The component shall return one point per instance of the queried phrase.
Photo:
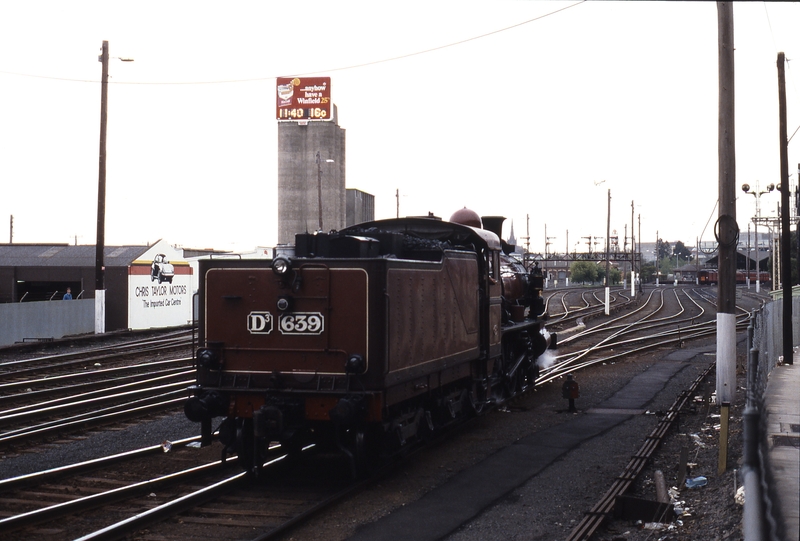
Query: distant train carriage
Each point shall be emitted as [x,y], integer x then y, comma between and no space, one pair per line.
[707,276]
[711,276]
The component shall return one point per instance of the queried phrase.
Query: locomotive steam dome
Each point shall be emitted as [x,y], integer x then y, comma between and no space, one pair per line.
[468,217]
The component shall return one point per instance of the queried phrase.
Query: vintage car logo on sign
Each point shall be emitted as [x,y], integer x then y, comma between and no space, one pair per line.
[259,322]
[301,323]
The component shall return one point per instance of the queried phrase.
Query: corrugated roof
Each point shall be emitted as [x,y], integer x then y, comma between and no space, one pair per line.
[65,255]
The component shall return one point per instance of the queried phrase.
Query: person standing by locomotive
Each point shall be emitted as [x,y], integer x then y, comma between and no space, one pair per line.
[68,295]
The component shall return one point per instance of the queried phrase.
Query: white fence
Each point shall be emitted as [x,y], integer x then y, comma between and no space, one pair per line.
[21,321]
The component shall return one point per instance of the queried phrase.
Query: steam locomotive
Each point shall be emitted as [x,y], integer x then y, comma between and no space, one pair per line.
[365,340]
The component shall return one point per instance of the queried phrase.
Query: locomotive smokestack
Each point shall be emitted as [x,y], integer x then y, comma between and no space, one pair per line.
[494,224]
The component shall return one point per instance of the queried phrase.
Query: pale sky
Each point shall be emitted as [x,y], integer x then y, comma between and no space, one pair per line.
[513,108]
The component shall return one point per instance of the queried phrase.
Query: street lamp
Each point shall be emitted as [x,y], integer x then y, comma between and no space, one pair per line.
[99,284]
[319,186]
[757,194]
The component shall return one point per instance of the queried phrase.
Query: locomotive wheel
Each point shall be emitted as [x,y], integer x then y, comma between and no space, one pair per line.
[249,448]
[528,374]
[512,384]
[361,454]
[244,445]
[477,396]
[365,457]
[533,374]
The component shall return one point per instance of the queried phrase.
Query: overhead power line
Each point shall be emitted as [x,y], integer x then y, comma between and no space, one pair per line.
[330,70]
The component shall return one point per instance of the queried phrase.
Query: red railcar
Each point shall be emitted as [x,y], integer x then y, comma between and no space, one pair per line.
[711,276]
[366,340]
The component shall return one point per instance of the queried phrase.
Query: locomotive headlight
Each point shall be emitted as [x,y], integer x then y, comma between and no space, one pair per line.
[207,358]
[284,304]
[355,365]
[281,265]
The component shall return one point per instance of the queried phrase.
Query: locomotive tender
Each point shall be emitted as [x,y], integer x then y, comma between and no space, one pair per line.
[367,339]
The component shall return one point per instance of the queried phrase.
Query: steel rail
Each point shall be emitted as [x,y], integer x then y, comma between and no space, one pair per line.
[115,413]
[694,331]
[159,337]
[648,326]
[80,403]
[78,467]
[629,328]
[81,362]
[583,312]
[548,298]
[123,528]
[102,498]
[98,393]
[609,324]
[566,367]
[101,352]
[78,376]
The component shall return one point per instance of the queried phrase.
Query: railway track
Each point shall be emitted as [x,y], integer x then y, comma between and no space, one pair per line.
[641,330]
[62,501]
[171,491]
[595,517]
[48,395]
[15,365]
[279,500]
[574,306]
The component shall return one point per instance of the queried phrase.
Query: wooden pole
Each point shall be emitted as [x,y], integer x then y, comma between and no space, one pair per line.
[633,251]
[101,183]
[99,281]
[608,257]
[724,416]
[786,243]
[726,230]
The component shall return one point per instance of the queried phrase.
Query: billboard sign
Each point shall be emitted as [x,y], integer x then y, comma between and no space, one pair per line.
[303,98]
[159,289]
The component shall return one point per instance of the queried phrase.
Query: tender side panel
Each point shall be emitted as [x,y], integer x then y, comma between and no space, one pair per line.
[433,313]
[328,319]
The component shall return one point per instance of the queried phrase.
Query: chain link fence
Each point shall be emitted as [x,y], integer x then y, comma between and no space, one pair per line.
[765,346]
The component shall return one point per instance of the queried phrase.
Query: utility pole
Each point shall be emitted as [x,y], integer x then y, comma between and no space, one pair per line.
[319,191]
[608,255]
[633,251]
[658,254]
[786,254]
[638,236]
[99,279]
[727,229]
[11,230]
[544,263]
[747,261]
[526,256]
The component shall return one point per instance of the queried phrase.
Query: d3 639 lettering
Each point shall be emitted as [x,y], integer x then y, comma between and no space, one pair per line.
[259,322]
[301,323]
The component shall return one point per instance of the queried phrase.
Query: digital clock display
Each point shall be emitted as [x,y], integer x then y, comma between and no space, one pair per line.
[316,113]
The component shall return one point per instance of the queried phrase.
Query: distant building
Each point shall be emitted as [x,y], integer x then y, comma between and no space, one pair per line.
[360,207]
[137,296]
[312,194]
